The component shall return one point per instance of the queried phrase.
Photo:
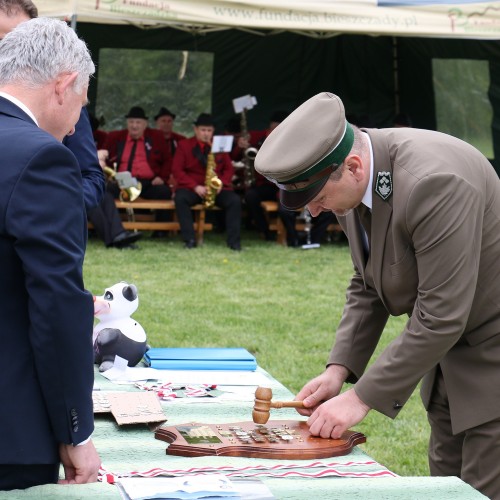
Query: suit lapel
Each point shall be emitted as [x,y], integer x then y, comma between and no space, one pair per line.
[381,210]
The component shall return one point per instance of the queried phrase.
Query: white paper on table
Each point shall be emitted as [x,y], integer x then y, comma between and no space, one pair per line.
[215,377]
[121,372]
[183,487]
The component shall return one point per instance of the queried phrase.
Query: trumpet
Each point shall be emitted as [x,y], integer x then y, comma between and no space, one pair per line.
[130,187]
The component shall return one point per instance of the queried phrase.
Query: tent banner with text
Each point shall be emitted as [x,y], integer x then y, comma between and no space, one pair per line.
[416,18]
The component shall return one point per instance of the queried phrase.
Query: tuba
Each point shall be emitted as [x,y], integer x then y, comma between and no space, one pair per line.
[130,188]
[212,182]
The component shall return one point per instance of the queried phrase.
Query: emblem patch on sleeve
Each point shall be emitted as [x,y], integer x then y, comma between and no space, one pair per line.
[383,185]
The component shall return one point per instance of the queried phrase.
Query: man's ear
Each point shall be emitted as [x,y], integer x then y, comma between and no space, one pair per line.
[355,165]
[64,82]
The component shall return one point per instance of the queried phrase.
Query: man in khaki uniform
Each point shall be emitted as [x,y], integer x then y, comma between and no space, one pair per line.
[421,210]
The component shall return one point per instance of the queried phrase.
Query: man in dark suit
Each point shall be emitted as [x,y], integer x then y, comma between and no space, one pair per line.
[99,210]
[421,211]
[46,314]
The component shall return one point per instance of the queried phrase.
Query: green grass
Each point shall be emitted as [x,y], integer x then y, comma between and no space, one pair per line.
[282,304]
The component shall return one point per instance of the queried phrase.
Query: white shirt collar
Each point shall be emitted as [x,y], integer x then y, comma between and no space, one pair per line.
[19,104]
[368,196]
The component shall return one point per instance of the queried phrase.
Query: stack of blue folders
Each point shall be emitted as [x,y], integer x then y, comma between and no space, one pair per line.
[200,358]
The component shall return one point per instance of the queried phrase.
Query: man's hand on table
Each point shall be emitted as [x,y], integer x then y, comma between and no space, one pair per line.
[331,414]
[81,463]
[320,389]
[334,417]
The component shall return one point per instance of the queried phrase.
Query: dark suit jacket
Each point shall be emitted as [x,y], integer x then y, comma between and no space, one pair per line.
[46,315]
[156,150]
[82,145]
[189,171]
[435,251]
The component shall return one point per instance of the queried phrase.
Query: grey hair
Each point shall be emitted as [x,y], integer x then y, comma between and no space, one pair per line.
[39,50]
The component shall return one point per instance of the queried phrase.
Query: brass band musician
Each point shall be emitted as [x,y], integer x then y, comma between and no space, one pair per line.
[261,189]
[189,169]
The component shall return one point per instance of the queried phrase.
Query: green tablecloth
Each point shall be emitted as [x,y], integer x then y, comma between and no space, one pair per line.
[133,448]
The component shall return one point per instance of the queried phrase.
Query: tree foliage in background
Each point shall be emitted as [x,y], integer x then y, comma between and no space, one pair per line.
[463,108]
[180,81]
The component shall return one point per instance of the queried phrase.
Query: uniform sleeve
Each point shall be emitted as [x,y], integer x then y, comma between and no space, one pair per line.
[46,218]
[178,168]
[82,145]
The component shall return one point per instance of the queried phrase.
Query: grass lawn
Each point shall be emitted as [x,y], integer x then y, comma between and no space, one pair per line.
[282,304]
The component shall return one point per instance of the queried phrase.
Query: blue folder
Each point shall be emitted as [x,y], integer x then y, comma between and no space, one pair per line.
[200,358]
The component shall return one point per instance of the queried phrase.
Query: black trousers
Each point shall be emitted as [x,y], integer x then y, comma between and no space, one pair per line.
[19,476]
[319,225]
[106,219]
[229,201]
[253,197]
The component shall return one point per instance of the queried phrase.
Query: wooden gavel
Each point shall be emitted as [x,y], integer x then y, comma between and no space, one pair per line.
[263,405]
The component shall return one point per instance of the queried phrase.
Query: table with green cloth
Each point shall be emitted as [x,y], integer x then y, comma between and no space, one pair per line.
[131,449]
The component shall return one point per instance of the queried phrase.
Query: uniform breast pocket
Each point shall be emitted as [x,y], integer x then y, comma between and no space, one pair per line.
[402,283]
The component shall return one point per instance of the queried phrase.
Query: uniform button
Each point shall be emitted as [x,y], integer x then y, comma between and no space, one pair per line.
[74,412]
[396,405]
[75,428]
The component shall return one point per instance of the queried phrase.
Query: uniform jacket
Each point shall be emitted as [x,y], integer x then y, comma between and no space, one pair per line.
[82,145]
[156,150]
[435,248]
[46,315]
[189,170]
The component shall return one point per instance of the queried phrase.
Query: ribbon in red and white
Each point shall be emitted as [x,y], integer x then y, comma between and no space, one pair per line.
[280,470]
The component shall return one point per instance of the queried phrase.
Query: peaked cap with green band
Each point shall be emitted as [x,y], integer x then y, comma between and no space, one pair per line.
[302,151]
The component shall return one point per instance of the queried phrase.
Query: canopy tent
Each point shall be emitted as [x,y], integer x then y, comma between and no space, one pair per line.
[376,55]
[472,19]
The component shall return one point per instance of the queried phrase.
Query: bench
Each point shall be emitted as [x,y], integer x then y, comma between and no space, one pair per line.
[276,224]
[144,221]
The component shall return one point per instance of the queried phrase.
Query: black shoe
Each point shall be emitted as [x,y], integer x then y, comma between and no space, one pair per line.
[190,244]
[158,234]
[130,246]
[126,238]
[236,248]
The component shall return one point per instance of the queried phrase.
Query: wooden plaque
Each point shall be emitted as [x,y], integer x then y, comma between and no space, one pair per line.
[278,439]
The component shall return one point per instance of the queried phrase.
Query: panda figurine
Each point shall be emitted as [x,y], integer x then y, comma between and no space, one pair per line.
[117,333]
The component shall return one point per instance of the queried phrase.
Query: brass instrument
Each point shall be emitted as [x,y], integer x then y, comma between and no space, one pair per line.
[248,155]
[130,188]
[212,182]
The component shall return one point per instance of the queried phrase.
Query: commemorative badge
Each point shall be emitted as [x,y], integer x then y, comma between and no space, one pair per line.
[383,185]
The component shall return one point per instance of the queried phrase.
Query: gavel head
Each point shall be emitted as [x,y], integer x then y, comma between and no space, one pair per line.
[262,405]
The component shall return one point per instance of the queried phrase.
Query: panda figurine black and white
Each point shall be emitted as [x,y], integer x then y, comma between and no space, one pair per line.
[117,334]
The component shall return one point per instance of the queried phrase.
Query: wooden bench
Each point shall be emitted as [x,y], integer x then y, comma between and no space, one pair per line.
[276,224]
[143,221]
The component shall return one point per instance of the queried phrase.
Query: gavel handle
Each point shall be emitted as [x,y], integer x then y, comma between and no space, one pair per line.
[287,404]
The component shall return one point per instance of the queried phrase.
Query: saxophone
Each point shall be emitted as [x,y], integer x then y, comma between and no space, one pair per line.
[212,182]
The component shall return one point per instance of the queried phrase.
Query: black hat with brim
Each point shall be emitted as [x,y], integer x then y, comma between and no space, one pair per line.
[136,112]
[164,112]
[204,119]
